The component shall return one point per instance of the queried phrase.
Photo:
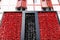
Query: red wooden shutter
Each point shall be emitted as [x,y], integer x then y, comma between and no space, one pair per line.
[49,26]
[11,26]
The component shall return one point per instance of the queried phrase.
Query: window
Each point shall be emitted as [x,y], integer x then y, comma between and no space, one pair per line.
[30,30]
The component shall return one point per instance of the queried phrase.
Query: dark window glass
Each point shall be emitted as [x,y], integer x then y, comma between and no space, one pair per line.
[30,30]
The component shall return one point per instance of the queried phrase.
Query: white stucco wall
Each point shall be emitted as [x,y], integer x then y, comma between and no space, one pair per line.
[8,5]
[30,6]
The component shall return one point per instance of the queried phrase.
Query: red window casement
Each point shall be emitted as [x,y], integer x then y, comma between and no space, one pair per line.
[48,26]
[21,4]
[24,3]
[49,3]
[11,26]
